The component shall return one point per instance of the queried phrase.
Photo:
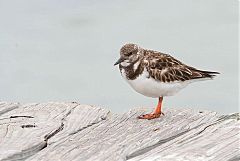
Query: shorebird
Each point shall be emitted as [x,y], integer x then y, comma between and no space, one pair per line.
[155,74]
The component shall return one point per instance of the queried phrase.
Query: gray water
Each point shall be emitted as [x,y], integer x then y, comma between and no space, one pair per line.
[65,50]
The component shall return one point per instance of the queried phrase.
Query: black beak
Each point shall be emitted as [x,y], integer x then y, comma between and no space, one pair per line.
[119,61]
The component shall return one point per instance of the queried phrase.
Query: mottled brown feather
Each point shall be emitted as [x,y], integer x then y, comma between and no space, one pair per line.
[165,68]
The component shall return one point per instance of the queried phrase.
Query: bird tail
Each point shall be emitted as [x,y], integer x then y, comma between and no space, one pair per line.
[207,74]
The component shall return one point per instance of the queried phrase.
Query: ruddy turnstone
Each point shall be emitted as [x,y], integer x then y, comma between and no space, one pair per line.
[155,74]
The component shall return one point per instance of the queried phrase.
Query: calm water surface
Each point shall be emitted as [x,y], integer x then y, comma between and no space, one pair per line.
[65,50]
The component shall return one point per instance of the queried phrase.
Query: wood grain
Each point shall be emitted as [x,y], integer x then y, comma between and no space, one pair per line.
[72,131]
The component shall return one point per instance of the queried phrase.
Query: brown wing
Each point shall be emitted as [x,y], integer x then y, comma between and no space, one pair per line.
[165,68]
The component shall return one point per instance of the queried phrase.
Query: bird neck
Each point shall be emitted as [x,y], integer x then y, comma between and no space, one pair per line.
[133,70]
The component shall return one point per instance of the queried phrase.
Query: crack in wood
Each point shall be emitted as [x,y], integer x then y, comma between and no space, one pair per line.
[28,126]
[69,112]
[94,123]
[15,117]
[48,136]
[231,116]
[221,119]
[160,142]
[20,116]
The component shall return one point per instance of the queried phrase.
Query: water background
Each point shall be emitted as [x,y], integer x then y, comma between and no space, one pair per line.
[65,50]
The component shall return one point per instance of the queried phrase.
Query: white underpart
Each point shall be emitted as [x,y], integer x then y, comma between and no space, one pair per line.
[150,87]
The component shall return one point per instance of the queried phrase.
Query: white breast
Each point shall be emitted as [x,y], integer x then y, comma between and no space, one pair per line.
[147,86]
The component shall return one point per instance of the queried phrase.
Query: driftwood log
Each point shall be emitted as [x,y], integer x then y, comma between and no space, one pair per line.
[71,131]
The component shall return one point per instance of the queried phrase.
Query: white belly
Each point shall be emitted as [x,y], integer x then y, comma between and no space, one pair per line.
[152,88]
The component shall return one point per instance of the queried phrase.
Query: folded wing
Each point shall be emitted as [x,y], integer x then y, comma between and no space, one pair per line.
[165,68]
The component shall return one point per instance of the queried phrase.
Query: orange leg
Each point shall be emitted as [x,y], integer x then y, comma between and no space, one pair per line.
[157,112]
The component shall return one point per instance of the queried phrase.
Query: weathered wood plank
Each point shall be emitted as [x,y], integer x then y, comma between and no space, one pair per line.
[70,131]
[29,128]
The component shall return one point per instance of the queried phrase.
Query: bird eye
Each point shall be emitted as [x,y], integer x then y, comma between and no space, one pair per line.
[130,53]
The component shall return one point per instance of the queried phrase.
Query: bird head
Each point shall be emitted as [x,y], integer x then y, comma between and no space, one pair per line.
[129,54]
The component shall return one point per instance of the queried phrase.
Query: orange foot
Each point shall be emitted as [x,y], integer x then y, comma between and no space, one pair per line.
[150,116]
